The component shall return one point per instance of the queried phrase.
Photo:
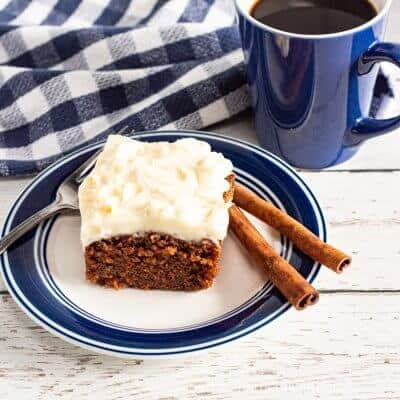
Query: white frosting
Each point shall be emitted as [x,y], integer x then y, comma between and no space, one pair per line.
[175,188]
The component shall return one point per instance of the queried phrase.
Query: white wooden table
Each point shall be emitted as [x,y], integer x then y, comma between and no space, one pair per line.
[346,347]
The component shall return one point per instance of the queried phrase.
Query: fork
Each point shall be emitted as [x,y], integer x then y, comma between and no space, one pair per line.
[66,199]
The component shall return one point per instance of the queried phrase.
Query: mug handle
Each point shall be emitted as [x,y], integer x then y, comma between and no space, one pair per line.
[378,52]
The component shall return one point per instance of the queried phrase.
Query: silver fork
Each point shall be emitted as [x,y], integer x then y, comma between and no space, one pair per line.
[66,199]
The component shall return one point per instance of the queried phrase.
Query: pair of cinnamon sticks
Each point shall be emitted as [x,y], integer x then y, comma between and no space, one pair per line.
[298,291]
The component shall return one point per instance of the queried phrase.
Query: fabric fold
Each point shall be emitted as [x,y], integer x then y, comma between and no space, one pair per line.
[71,72]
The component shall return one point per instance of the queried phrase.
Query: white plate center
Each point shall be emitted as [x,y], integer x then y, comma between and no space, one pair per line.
[237,282]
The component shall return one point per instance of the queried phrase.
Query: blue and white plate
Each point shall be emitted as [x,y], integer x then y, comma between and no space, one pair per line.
[44,271]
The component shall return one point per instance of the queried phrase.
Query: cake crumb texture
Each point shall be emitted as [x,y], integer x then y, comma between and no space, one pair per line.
[152,261]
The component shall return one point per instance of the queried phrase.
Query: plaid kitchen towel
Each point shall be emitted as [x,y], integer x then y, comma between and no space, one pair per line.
[72,71]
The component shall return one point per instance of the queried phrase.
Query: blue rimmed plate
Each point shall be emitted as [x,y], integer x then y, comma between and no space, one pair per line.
[44,271]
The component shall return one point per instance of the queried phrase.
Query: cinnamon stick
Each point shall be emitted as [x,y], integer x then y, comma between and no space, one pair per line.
[291,284]
[301,237]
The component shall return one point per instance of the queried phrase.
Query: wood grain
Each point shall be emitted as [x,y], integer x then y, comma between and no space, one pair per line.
[337,347]
[347,347]
[364,220]
[376,154]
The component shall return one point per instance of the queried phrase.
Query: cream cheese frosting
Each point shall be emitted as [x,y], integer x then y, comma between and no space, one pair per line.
[174,188]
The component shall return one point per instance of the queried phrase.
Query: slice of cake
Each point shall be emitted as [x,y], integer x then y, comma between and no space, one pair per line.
[154,214]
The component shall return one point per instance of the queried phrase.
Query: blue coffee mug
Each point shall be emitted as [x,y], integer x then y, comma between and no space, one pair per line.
[312,93]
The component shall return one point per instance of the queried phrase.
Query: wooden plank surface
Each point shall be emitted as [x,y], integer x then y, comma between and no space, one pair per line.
[347,347]
[363,219]
[341,346]
[380,153]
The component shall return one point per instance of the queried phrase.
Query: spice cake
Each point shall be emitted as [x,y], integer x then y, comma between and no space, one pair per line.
[154,215]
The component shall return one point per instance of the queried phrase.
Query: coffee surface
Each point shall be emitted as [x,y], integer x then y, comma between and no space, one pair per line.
[313,17]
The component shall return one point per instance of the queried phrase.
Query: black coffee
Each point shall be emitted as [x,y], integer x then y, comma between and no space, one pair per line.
[313,17]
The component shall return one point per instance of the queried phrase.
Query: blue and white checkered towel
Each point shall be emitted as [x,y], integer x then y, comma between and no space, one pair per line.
[72,71]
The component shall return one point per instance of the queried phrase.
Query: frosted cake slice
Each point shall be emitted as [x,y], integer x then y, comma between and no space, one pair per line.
[154,215]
